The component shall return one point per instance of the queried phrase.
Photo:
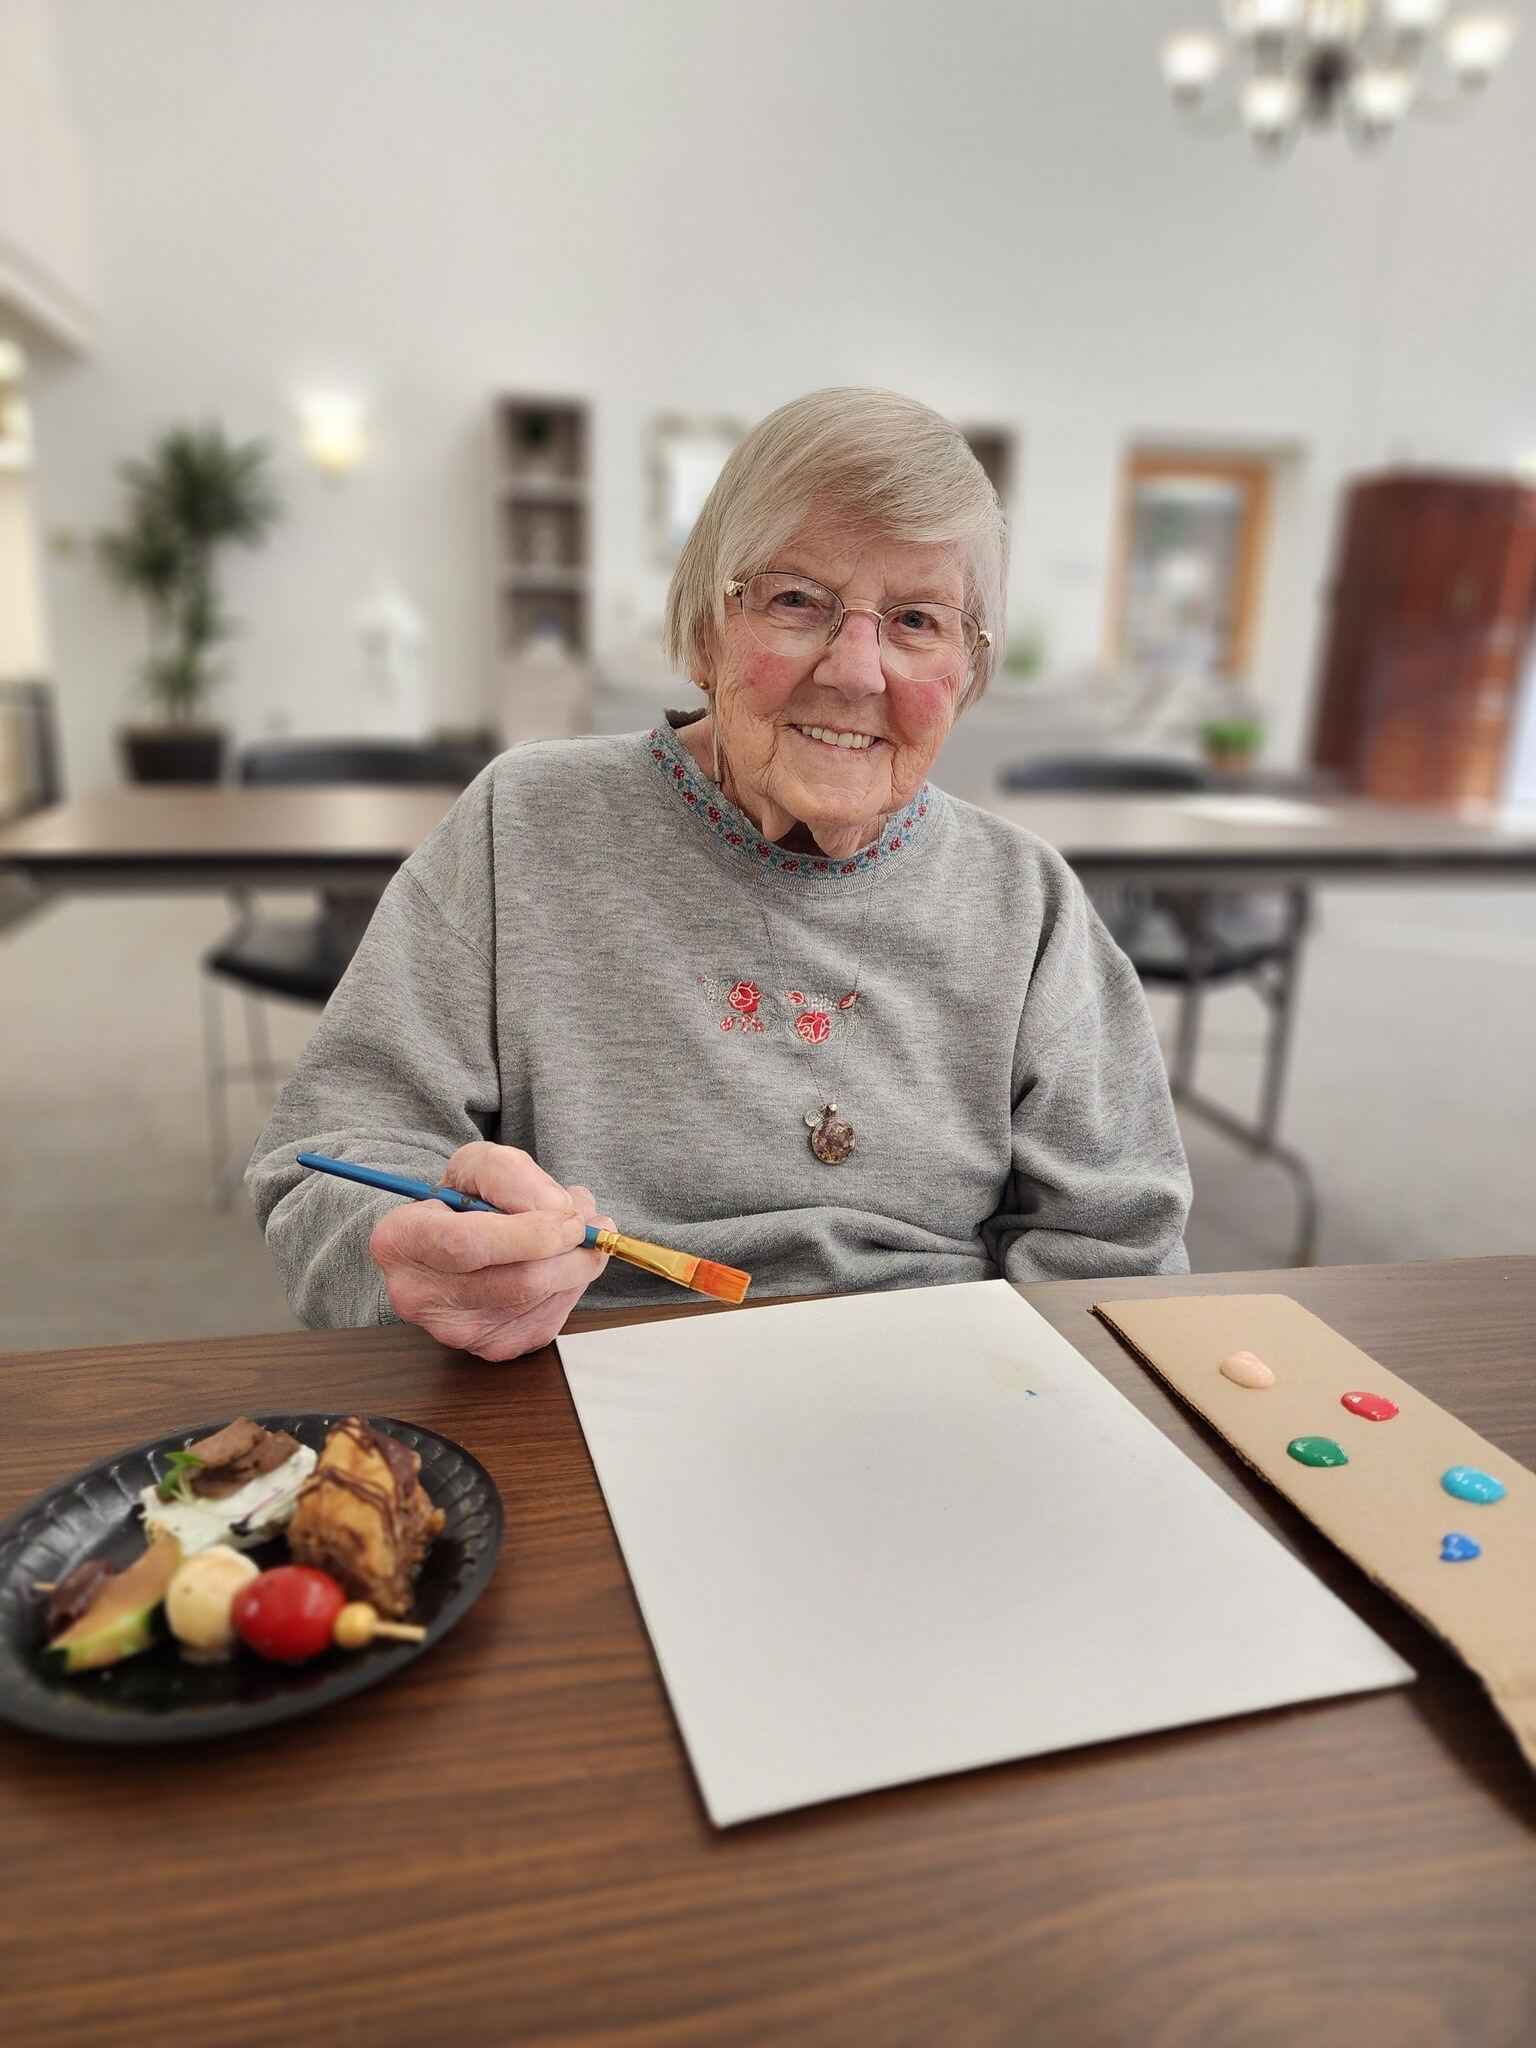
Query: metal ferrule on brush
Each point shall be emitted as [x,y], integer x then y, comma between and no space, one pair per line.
[650,1258]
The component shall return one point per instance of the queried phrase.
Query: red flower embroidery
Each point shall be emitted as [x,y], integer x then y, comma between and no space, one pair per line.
[895,846]
[726,1023]
[733,839]
[677,774]
[795,996]
[791,867]
[849,866]
[690,796]
[713,814]
[744,996]
[922,810]
[814,1027]
[763,852]
[820,866]
[657,754]
[847,1002]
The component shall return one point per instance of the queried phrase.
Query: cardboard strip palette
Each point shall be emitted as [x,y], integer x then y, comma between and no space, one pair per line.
[1436,1514]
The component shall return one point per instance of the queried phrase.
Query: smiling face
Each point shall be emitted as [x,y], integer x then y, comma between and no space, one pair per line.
[827,739]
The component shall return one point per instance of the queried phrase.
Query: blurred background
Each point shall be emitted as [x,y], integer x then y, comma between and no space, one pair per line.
[431,321]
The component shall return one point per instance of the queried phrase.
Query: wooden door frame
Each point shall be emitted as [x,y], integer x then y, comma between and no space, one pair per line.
[1257,472]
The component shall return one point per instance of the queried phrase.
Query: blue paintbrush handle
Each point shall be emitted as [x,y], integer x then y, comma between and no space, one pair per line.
[393,1183]
[397,1184]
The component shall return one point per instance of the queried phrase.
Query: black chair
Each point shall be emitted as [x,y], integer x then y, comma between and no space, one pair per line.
[1196,939]
[301,959]
[447,765]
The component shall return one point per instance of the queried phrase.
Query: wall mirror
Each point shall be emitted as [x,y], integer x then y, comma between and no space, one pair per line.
[687,453]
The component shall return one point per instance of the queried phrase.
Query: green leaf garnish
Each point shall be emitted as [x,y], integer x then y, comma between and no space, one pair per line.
[183,1464]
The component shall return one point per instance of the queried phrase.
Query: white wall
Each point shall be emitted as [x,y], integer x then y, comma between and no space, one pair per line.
[23,649]
[47,246]
[712,205]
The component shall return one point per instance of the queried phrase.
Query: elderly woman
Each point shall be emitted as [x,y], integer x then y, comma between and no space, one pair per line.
[748,983]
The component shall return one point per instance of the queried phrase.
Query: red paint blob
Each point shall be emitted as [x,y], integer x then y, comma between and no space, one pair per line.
[1374,1407]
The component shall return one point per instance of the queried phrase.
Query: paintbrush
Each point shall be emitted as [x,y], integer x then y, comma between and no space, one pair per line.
[702,1276]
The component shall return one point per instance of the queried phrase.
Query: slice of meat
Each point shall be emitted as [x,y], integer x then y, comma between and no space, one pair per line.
[233,1441]
[74,1593]
[241,1451]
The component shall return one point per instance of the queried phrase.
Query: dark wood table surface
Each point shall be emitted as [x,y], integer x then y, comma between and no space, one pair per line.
[146,837]
[504,1843]
[1229,839]
[158,836]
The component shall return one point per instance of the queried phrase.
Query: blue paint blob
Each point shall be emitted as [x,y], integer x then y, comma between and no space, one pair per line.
[1456,1549]
[1467,1483]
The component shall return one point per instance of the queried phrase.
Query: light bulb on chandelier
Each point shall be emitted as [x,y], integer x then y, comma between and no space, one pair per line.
[1365,64]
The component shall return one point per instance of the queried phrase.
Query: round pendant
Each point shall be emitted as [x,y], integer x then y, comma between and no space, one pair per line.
[832,1139]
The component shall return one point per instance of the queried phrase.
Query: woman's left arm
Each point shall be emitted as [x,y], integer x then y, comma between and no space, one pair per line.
[1098,1185]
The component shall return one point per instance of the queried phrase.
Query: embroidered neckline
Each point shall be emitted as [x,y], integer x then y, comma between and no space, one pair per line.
[740,836]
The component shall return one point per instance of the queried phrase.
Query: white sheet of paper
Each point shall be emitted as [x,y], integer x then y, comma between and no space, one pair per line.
[890,1536]
[1253,810]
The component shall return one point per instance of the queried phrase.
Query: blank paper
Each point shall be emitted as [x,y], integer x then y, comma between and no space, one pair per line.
[890,1536]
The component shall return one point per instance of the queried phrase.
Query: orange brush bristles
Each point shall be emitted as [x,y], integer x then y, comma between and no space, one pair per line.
[724,1283]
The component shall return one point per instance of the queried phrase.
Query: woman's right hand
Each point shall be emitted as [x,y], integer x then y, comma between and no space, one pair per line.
[499,1286]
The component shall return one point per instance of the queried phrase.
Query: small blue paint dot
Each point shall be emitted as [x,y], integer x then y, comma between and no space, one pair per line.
[1455,1549]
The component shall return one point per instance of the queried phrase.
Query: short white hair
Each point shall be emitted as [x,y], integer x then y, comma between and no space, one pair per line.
[869,461]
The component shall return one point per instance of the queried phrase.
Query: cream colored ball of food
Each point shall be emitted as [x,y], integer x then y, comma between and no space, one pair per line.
[200,1596]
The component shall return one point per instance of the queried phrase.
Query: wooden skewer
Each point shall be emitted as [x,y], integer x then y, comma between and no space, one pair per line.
[359,1623]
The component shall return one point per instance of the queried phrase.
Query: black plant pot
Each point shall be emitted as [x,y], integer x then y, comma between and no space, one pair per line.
[173,753]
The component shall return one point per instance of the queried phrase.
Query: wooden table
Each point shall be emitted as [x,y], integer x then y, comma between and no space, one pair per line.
[144,837]
[1237,842]
[505,1843]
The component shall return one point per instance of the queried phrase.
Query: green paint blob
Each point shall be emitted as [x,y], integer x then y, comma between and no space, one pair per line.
[1317,1450]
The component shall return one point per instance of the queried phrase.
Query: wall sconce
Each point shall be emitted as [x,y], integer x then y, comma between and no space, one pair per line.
[333,432]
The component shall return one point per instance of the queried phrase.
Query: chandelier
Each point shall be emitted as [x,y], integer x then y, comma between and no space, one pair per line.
[1365,64]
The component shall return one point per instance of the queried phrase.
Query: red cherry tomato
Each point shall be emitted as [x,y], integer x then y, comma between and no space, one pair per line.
[288,1613]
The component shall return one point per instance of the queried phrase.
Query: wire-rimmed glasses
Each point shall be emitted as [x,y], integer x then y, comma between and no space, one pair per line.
[921,640]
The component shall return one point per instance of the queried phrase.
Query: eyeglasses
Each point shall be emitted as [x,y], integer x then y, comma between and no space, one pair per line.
[921,642]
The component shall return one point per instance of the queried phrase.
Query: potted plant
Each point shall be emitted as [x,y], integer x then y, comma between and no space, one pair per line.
[197,492]
[1026,652]
[1231,744]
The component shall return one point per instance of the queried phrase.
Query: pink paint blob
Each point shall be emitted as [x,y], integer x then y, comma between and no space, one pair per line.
[1372,1407]
[1244,1369]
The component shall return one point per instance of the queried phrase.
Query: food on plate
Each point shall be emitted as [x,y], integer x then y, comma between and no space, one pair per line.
[358,1625]
[365,1517]
[120,1620]
[294,1612]
[242,1450]
[358,1523]
[199,1598]
[69,1597]
[289,1613]
[236,1487]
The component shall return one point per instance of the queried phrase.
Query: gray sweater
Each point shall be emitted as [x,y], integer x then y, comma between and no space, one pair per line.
[597,958]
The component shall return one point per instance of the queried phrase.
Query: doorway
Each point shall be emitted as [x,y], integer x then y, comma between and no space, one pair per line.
[28,775]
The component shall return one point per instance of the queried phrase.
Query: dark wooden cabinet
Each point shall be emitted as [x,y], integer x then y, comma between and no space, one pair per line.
[1430,618]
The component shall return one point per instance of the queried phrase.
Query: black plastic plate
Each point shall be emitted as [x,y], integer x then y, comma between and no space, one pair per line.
[158,1696]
